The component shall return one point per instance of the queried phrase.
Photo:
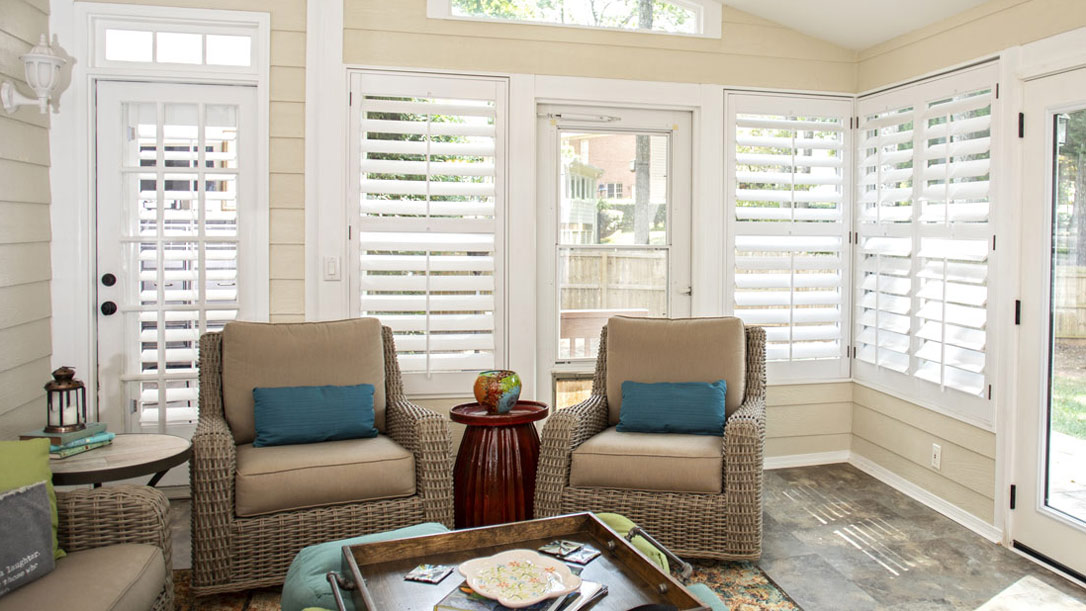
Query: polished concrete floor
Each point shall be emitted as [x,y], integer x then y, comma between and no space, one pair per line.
[838,539]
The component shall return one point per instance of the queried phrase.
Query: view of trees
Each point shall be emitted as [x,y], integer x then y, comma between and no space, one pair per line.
[622,14]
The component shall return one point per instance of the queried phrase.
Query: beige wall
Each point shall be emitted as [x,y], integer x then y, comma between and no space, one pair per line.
[286,194]
[808,418]
[984,30]
[752,52]
[24,232]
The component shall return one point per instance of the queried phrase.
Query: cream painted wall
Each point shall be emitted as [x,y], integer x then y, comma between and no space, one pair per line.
[286,193]
[753,52]
[24,232]
[984,30]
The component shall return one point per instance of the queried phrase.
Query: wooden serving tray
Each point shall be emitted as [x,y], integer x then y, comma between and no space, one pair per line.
[377,569]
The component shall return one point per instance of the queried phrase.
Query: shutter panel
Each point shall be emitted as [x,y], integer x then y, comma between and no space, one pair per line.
[788,204]
[429,206]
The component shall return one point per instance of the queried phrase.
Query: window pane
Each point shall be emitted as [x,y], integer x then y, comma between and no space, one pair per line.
[128,46]
[613,188]
[176,48]
[619,14]
[229,50]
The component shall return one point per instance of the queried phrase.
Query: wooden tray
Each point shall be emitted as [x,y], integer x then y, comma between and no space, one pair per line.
[377,569]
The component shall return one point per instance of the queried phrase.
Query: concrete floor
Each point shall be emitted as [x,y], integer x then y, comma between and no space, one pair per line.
[838,539]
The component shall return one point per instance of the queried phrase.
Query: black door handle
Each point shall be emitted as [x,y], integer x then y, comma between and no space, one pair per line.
[109,308]
[109,279]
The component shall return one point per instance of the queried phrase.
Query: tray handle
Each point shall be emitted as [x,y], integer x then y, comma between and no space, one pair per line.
[337,581]
[684,567]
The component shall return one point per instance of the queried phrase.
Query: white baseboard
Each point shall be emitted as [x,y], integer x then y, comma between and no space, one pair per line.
[806,460]
[959,515]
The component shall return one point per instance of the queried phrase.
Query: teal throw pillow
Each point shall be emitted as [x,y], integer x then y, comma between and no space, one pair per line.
[311,414]
[689,408]
[27,532]
[27,462]
[307,587]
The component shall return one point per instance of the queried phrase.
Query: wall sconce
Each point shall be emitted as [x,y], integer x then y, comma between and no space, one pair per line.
[42,74]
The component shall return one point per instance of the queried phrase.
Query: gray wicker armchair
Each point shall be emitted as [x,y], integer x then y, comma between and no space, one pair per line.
[723,524]
[231,551]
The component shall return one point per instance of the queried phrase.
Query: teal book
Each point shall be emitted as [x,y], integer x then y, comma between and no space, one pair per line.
[72,451]
[104,436]
[59,439]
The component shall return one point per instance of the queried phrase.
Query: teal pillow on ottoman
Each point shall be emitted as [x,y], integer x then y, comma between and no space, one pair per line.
[312,414]
[689,408]
[306,585]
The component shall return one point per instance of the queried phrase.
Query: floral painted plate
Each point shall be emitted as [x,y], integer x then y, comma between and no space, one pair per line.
[520,577]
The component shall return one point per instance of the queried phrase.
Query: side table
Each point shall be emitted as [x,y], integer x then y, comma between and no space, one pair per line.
[494,477]
[130,455]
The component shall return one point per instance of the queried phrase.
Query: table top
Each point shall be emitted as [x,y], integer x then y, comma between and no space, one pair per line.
[130,455]
[477,415]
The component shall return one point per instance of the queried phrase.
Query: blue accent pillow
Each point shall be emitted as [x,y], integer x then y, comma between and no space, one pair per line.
[690,408]
[310,414]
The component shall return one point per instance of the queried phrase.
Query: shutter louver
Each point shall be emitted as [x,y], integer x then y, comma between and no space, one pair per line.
[789,208]
[428,206]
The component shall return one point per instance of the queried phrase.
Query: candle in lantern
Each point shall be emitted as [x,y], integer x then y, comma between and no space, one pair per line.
[66,400]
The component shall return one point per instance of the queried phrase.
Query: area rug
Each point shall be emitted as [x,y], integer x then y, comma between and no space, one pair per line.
[741,585]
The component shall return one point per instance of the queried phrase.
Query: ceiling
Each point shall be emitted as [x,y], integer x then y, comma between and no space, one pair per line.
[854,24]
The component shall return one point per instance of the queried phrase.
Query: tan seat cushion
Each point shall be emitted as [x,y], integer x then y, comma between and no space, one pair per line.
[282,478]
[126,577]
[678,350]
[649,461]
[337,353]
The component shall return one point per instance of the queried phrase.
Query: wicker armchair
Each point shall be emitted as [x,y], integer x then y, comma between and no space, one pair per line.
[727,525]
[232,552]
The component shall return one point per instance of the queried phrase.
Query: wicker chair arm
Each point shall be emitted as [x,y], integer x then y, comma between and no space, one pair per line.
[563,432]
[426,435]
[744,450]
[97,517]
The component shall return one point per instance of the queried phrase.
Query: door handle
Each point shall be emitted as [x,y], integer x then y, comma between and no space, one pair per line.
[109,279]
[108,308]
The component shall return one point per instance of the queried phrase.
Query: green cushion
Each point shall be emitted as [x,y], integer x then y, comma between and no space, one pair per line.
[306,585]
[707,596]
[622,525]
[25,463]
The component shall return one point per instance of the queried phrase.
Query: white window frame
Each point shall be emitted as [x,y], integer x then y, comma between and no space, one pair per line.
[709,14]
[72,179]
[736,102]
[437,383]
[977,410]
[168,23]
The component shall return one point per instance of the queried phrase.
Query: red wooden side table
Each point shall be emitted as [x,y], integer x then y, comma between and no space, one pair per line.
[494,477]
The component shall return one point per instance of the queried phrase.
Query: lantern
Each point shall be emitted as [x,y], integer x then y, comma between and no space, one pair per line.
[66,400]
[42,67]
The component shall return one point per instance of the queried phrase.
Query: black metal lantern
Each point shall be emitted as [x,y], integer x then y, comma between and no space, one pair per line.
[66,398]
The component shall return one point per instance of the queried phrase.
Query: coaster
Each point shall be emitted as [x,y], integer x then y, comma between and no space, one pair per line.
[582,556]
[560,548]
[429,573]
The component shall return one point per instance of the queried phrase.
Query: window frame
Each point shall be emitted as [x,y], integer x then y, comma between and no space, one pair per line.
[978,410]
[709,15]
[434,383]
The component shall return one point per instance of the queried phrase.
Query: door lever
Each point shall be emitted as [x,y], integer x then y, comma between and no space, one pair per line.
[108,308]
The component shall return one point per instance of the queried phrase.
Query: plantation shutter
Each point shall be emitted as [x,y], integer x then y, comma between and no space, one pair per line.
[430,203]
[788,173]
[925,233]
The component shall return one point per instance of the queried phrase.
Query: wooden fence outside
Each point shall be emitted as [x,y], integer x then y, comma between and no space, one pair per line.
[1069,302]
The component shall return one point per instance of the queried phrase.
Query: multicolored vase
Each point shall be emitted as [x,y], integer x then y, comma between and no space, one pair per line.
[498,390]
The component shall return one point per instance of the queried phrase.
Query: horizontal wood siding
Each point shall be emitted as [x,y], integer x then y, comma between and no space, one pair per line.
[808,418]
[25,270]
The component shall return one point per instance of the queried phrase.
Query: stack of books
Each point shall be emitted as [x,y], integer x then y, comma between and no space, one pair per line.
[63,445]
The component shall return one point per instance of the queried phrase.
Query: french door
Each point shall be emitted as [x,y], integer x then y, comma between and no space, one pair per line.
[1049,518]
[176,178]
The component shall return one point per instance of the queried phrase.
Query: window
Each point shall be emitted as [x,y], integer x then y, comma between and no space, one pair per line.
[122,42]
[925,237]
[689,17]
[430,198]
[611,190]
[787,198]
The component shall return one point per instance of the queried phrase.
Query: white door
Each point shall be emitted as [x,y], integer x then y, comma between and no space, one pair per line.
[176,178]
[614,226]
[1049,517]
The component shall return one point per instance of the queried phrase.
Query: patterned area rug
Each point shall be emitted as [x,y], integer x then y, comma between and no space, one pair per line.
[741,585]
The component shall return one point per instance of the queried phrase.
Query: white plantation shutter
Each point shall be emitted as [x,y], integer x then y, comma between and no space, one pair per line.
[925,240]
[430,200]
[788,171]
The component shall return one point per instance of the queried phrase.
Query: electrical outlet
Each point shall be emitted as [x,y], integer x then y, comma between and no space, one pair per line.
[936,456]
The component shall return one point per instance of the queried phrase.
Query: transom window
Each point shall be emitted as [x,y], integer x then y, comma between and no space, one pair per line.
[686,17]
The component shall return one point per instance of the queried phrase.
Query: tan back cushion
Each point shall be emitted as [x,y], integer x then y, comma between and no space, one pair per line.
[338,353]
[676,350]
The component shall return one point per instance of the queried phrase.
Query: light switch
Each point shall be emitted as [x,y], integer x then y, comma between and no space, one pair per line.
[331,268]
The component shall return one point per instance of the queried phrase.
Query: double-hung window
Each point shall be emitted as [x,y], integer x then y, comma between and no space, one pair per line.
[788,161]
[429,154]
[925,238]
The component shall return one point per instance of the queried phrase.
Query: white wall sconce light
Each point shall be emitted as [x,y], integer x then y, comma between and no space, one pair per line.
[42,74]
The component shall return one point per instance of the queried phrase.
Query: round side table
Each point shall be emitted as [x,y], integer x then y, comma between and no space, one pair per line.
[494,477]
[130,455]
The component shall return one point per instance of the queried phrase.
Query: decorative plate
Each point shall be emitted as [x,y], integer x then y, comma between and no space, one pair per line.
[520,577]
